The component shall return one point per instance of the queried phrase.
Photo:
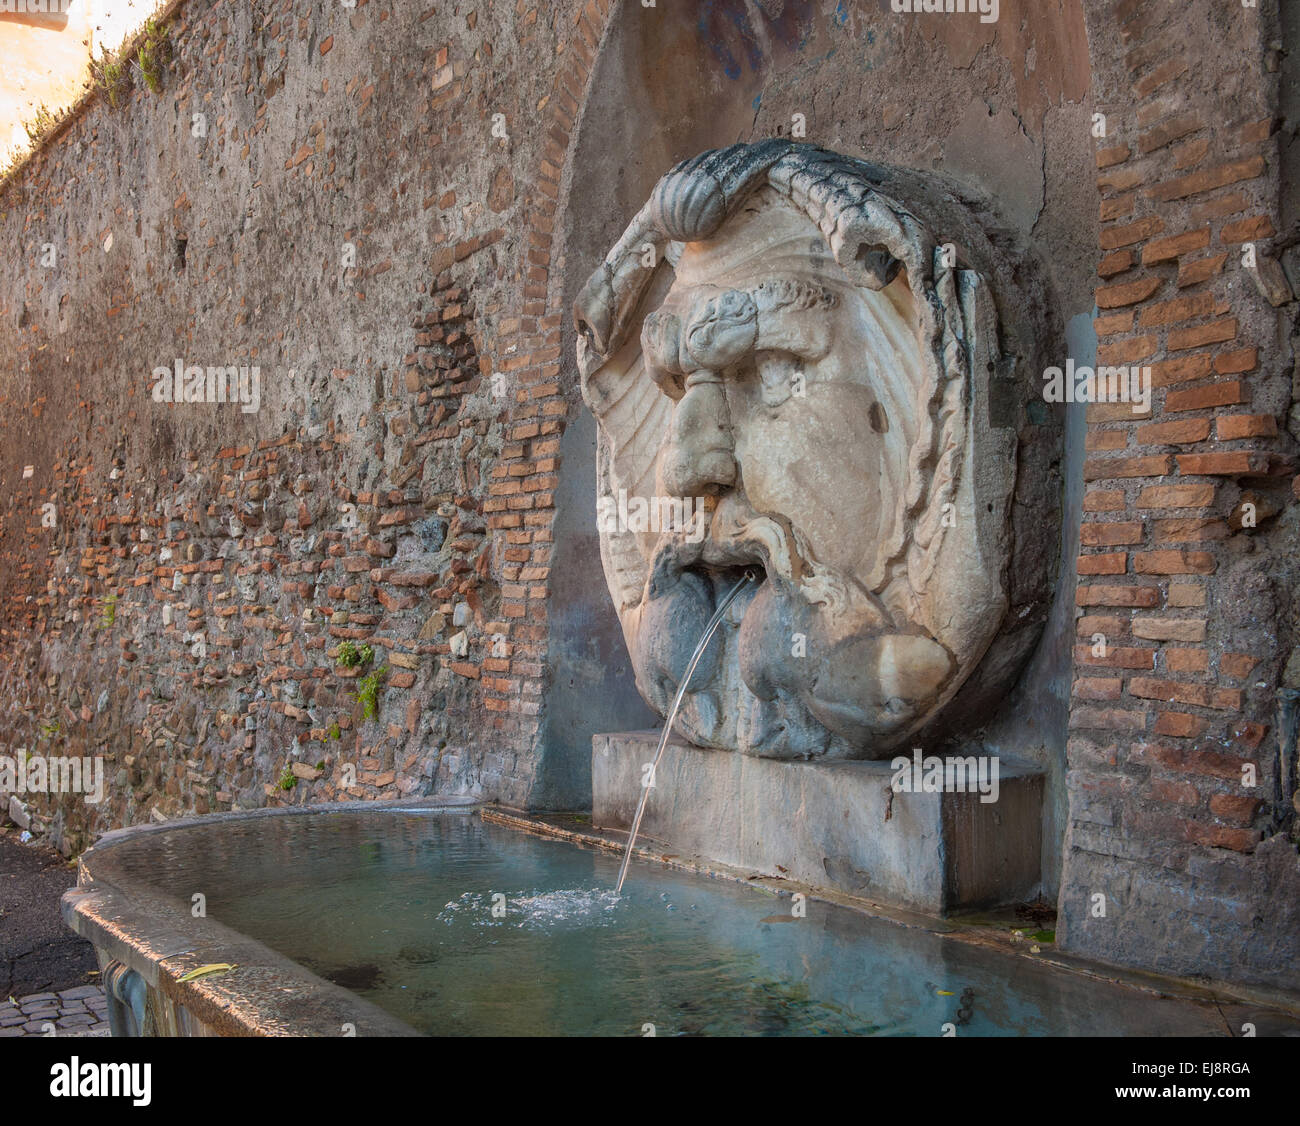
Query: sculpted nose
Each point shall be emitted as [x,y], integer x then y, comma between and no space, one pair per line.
[700,457]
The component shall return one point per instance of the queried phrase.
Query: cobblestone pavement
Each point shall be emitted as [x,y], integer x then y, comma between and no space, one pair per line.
[81,1011]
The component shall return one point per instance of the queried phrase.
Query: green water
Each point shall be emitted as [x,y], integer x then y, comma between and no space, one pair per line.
[398,907]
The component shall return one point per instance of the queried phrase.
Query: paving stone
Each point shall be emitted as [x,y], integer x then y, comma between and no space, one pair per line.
[77,1020]
[12,1032]
[82,992]
[9,1020]
[36,1027]
[33,997]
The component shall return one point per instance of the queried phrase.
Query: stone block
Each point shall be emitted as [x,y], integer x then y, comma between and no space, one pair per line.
[839,826]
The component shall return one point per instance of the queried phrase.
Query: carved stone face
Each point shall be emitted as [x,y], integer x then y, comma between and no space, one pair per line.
[819,413]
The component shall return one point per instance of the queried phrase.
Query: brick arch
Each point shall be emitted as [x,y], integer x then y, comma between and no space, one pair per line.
[520,507]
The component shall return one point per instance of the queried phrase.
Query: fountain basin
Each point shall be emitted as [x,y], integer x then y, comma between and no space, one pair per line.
[374,919]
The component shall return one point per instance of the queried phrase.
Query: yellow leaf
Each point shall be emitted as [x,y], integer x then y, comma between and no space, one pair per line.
[945,993]
[203,971]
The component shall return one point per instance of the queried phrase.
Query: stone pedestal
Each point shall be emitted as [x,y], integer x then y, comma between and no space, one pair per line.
[839,826]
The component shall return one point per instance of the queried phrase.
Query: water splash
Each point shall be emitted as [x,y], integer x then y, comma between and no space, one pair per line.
[536,910]
[708,633]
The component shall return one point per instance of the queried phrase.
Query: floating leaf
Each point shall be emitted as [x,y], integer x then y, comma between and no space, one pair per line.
[203,971]
[945,993]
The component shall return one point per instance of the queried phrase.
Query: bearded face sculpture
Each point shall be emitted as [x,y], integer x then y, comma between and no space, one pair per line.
[793,376]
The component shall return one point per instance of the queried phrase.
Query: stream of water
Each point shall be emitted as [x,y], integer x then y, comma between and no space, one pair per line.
[646,786]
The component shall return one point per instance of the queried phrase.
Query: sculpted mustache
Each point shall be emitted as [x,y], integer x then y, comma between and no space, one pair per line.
[775,543]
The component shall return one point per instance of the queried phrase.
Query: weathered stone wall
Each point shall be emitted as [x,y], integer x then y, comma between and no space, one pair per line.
[428,394]
[328,128]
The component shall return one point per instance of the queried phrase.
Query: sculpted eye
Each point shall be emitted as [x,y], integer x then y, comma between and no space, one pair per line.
[879,421]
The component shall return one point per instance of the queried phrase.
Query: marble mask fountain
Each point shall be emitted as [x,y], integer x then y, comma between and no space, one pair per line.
[794,373]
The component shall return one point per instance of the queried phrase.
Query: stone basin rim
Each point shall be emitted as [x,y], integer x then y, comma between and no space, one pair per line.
[155,936]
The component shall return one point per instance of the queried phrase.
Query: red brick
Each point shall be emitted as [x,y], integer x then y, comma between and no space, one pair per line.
[1191,154]
[1108,535]
[1181,369]
[1104,500]
[1126,351]
[1176,496]
[1175,692]
[1110,564]
[1128,293]
[1199,270]
[1190,531]
[1167,249]
[1236,363]
[1105,624]
[1233,426]
[1118,207]
[1116,263]
[1216,332]
[1097,688]
[1169,130]
[1100,469]
[1218,836]
[1177,432]
[1246,230]
[1119,180]
[1237,463]
[1179,309]
[1116,154]
[1228,204]
[1235,807]
[1180,725]
[1209,179]
[1174,563]
[1107,719]
[1112,238]
[1170,628]
[1117,658]
[1187,661]
[1237,666]
[1141,596]
[1211,395]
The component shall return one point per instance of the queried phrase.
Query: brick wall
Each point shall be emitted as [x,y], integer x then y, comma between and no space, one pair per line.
[1186,571]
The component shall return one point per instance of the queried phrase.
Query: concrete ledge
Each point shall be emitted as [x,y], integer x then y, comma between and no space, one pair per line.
[835,825]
